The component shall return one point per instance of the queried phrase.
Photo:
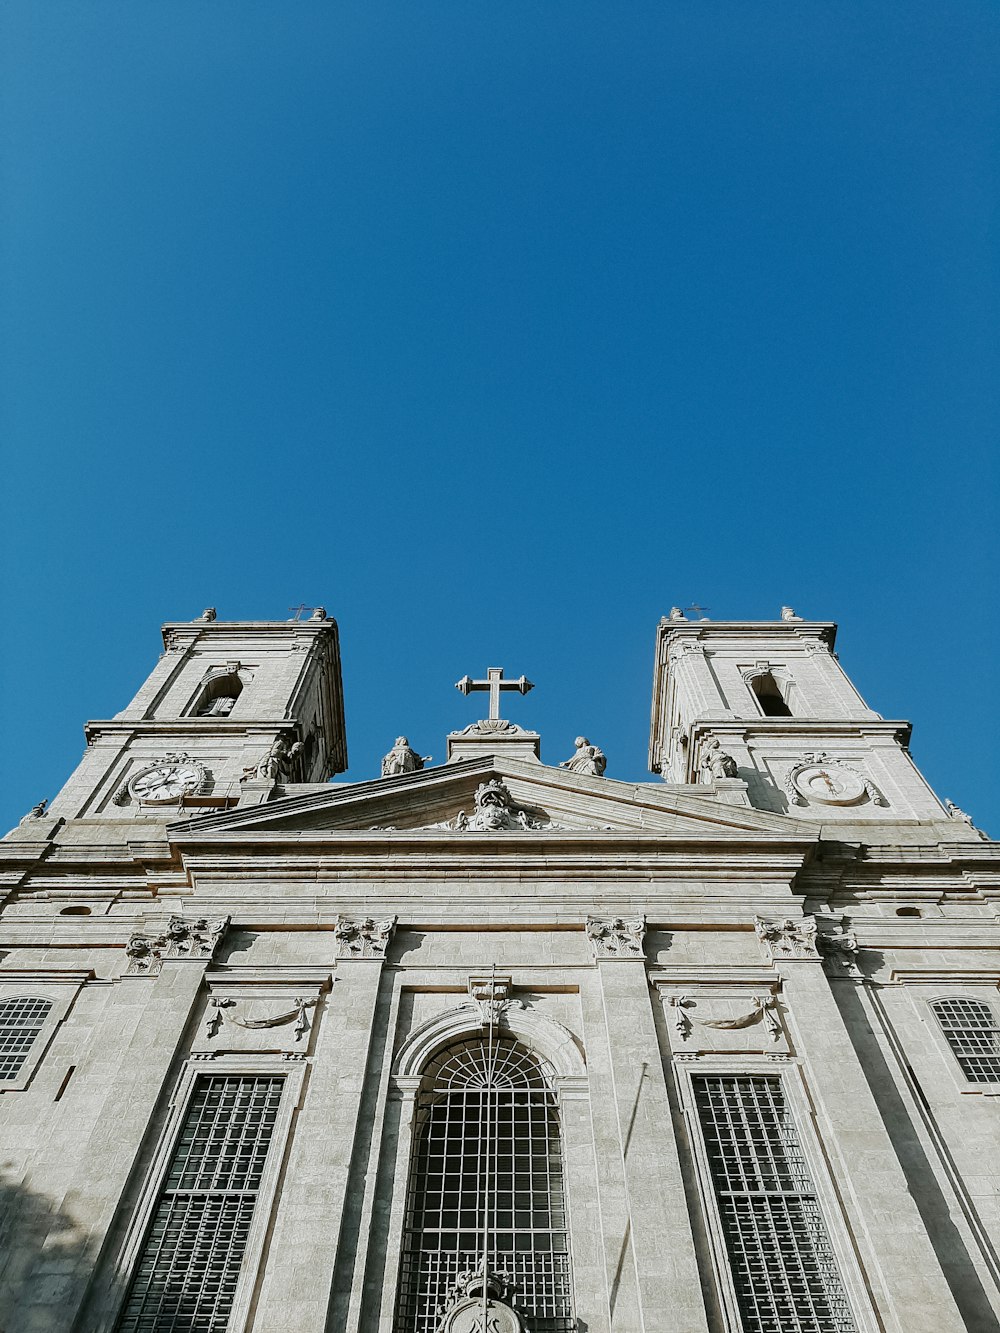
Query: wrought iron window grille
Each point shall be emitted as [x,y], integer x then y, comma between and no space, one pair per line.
[486,1187]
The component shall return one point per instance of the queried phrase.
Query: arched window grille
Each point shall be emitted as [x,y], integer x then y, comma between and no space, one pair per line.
[22,1017]
[486,1184]
[971,1029]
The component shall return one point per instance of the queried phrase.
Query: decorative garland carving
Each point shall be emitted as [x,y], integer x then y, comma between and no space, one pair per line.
[217,1015]
[762,1011]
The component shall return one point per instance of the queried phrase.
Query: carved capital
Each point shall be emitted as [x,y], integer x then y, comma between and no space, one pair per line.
[787,938]
[839,950]
[198,939]
[364,939]
[616,937]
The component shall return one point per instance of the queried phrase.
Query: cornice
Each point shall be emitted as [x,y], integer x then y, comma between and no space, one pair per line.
[189,726]
[229,976]
[825,630]
[953,976]
[842,728]
[665,976]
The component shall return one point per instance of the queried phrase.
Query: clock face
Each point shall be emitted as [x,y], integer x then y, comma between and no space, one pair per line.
[829,784]
[166,782]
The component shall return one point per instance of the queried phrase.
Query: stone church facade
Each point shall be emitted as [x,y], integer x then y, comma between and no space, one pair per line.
[499,1045]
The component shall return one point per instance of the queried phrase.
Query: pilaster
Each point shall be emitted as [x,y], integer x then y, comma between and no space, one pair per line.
[905,1277]
[296,1294]
[658,1239]
[108,1109]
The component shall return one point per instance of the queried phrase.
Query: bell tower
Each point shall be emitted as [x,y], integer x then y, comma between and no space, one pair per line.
[768,702]
[229,703]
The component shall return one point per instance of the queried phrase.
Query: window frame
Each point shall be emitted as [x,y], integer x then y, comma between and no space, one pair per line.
[785,685]
[422,1105]
[796,1093]
[251,1268]
[965,1085]
[209,680]
[60,993]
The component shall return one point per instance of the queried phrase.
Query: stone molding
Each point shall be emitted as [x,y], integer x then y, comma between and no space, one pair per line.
[617,937]
[545,1036]
[195,940]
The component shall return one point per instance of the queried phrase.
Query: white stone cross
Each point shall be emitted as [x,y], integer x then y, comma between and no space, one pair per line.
[494,683]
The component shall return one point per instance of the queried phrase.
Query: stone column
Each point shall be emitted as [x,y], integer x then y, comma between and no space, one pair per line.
[658,1240]
[297,1290]
[112,1100]
[905,1278]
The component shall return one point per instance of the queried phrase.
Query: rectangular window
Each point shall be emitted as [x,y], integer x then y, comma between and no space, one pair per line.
[190,1260]
[973,1035]
[782,1263]
[22,1018]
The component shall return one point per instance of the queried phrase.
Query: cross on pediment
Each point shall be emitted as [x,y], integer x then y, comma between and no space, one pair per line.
[494,682]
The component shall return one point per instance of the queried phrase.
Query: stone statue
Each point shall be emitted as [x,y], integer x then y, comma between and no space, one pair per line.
[956,813]
[208,613]
[36,812]
[402,758]
[715,763]
[587,759]
[279,762]
[318,613]
[788,613]
[677,614]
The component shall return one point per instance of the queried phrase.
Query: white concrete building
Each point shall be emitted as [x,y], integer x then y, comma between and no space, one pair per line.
[498,1045]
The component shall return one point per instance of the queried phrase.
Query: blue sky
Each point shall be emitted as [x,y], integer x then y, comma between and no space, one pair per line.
[498,329]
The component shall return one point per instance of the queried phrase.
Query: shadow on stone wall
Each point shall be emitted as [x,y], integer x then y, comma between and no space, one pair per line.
[956,1262]
[43,1252]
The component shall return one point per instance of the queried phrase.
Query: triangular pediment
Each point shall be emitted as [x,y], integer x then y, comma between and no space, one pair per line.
[545,802]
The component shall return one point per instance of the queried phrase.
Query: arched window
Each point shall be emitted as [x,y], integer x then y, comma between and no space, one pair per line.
[218,696]
[768,694]
[22,1017]
[971,1029]
[486,1182]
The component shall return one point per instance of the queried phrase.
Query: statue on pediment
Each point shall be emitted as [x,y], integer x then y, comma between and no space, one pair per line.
[587,758]
[402,758]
